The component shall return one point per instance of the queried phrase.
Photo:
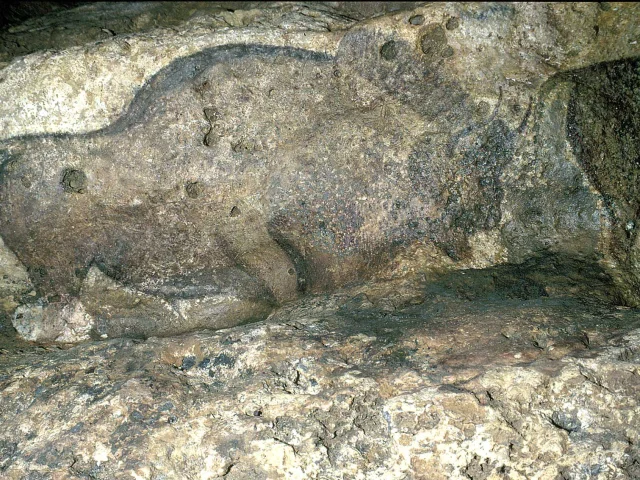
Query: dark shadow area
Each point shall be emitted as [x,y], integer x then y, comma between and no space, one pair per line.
[603,127]
[14,12]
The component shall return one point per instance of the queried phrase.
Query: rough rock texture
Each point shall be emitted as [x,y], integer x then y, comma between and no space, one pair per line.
[335,388]
[89,23]
[394,240]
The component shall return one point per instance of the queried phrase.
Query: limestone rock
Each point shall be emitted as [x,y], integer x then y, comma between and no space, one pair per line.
[296,150]
[14,283]
[330,240]
[454,389]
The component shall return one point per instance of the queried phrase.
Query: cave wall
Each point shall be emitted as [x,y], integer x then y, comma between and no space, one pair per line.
[210,182]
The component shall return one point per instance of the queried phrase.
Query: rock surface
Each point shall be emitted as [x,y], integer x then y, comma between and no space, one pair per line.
[335,388]
[216,173]
[323,240]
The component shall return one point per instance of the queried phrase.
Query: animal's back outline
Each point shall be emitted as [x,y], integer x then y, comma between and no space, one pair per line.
[172,77]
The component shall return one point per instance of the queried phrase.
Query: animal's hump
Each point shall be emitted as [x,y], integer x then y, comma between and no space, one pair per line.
[186,69]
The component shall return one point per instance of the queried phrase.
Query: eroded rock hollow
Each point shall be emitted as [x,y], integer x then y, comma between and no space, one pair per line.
[320,240]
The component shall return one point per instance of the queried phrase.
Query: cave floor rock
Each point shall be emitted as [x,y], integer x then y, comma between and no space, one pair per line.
[337,387]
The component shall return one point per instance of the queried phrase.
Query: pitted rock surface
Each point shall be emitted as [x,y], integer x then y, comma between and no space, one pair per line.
[455,389]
